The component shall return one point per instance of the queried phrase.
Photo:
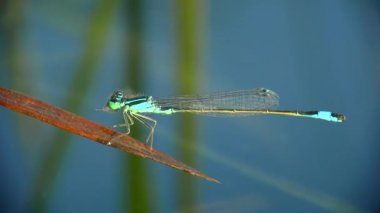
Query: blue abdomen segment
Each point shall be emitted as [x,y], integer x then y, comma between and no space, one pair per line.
[325,115]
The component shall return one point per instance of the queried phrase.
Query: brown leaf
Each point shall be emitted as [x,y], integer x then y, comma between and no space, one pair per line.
[80,126]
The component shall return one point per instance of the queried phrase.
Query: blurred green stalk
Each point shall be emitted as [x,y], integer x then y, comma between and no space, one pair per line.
[16,59]
[136,193]
[188,25]
[52,161]
[14,25]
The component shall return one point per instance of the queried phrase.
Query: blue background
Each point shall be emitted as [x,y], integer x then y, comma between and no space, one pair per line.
[317,55]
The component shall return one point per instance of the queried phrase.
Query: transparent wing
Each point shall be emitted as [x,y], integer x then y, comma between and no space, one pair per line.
[251,99]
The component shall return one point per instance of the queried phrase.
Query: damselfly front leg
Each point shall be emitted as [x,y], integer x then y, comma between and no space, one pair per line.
[149,123]
[128,122]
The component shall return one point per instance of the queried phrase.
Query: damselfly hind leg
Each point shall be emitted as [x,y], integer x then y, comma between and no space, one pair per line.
[149,123]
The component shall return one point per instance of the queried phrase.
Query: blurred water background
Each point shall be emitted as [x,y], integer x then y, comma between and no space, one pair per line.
[318,55]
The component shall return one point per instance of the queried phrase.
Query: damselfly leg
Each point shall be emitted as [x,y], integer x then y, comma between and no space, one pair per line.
[149,123]
[128,122]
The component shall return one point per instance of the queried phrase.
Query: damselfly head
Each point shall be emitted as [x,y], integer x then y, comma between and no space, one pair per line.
[117,96]
[115,102]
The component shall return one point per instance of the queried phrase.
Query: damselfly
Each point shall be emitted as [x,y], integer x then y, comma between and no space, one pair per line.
[233,103]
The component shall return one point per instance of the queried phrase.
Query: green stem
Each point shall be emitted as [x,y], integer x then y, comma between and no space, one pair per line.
[136,190]
[54,157]
[188,13]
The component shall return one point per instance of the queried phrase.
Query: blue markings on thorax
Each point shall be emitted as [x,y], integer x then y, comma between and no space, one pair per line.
[145,105]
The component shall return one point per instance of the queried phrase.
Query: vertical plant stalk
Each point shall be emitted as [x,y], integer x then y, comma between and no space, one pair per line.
[81,84]
[17,60]
[136,190]
[188,12]
[14,24]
